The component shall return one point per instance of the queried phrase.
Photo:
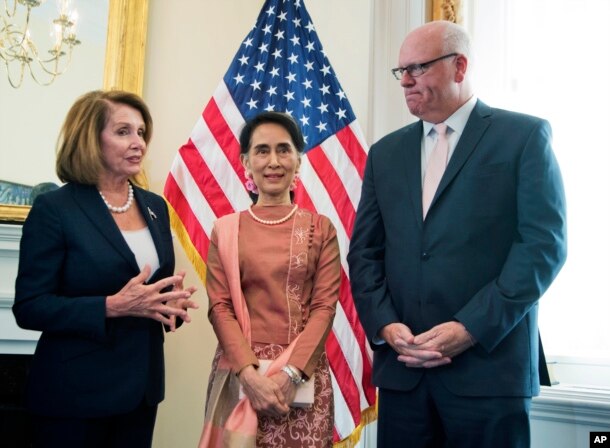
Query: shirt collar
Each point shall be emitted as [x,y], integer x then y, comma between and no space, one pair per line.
[457,121]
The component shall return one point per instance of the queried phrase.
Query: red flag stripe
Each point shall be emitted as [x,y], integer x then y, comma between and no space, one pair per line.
[223,135]
[223,171]
[345,298]
[335,188]
[205,180]
[198,237]
[351,348]
[338,154]
[343,375]
[302,198]
[357,154]
[192,194]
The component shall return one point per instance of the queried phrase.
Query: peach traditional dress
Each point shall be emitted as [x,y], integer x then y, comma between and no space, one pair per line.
[289,275]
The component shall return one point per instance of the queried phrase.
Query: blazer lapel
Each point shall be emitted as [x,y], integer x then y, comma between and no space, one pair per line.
[411,150]
[152,217]
[92,205]
[477,125]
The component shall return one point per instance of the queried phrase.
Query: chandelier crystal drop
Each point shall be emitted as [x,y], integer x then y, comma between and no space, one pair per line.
[18,50]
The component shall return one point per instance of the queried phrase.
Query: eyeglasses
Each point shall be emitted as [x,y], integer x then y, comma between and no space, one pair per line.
[415,70]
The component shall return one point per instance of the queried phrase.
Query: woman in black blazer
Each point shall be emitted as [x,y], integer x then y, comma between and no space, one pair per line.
[96,277]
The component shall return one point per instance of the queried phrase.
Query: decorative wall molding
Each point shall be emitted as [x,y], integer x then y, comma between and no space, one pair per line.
[573,404]
[10,234]
[13,340]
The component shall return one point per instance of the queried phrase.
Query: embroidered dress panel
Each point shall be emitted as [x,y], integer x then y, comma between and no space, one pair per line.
[265,262]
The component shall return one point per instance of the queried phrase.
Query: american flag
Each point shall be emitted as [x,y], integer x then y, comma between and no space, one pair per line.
[281,66]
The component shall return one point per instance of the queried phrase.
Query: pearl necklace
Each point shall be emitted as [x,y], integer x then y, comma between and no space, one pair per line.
[125,207]
[270,222]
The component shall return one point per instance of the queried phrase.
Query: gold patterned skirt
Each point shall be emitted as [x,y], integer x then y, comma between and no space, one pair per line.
[306,427]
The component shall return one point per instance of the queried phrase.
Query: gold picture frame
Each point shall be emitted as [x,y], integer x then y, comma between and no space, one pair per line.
[450,10]
[123,66]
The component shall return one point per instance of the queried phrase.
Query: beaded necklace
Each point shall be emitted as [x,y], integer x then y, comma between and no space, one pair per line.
[125,207]
[270,222]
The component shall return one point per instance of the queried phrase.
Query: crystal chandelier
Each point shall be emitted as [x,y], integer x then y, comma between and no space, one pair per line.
[20,54]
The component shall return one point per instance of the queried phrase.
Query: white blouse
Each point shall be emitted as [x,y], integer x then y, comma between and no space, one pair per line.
[143,247]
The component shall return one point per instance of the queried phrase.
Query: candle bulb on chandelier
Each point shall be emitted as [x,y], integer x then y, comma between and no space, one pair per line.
[63,7]
[56,32]
[73,22]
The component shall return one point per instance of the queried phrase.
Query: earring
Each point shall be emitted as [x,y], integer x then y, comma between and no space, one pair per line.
[250,185]
[294,184]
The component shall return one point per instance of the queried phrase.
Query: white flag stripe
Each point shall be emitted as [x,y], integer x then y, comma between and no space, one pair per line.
[335,152]
[343,417]
[219,165]
[350,348]
[197,202]
[357,131]
[324,205]
[228,109]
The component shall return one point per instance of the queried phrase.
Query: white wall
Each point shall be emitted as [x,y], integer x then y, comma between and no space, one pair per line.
[190,46]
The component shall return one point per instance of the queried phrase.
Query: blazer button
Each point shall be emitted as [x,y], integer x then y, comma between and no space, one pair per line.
[425,256]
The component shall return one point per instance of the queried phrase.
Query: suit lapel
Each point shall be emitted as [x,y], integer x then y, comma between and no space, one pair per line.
[152,217]
[477,125]
[92,205]
[411,150]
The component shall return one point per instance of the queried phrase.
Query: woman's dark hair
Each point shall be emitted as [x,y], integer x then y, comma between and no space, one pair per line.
[281,119]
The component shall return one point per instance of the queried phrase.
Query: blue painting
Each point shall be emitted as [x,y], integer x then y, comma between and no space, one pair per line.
[12,193]
[15,194]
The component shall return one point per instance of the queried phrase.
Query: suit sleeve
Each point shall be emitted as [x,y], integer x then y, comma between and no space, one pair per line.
[38,302]
[366,260]
[537,253]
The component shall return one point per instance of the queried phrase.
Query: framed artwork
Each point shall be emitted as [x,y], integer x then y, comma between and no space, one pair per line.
[15,201]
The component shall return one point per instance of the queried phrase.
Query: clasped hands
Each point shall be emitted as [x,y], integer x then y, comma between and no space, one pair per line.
[138,299]
[433,348]
[270,396]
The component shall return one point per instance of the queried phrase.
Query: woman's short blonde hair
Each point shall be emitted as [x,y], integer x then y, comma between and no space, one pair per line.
[79,151]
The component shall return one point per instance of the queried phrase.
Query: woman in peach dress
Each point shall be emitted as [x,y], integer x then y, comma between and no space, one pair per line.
[273,279]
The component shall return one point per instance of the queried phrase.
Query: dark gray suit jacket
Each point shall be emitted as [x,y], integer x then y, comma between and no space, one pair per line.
[73,256]
[493,241]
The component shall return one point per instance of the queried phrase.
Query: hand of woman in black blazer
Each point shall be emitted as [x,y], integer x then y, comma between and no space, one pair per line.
[184,304]
[138,299]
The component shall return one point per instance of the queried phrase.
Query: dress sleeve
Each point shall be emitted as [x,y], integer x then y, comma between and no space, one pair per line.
[222,315]
[324,296]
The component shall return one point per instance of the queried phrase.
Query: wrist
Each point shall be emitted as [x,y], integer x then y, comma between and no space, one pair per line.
[294,374]
[244,370]
[111,310]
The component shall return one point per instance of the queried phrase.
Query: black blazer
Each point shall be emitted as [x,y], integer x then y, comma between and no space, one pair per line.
[72,256]
[493,241]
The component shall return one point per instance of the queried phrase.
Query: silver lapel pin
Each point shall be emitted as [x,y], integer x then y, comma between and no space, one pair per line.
[151,213]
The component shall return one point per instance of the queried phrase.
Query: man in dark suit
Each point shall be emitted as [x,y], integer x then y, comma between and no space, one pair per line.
[447,285]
